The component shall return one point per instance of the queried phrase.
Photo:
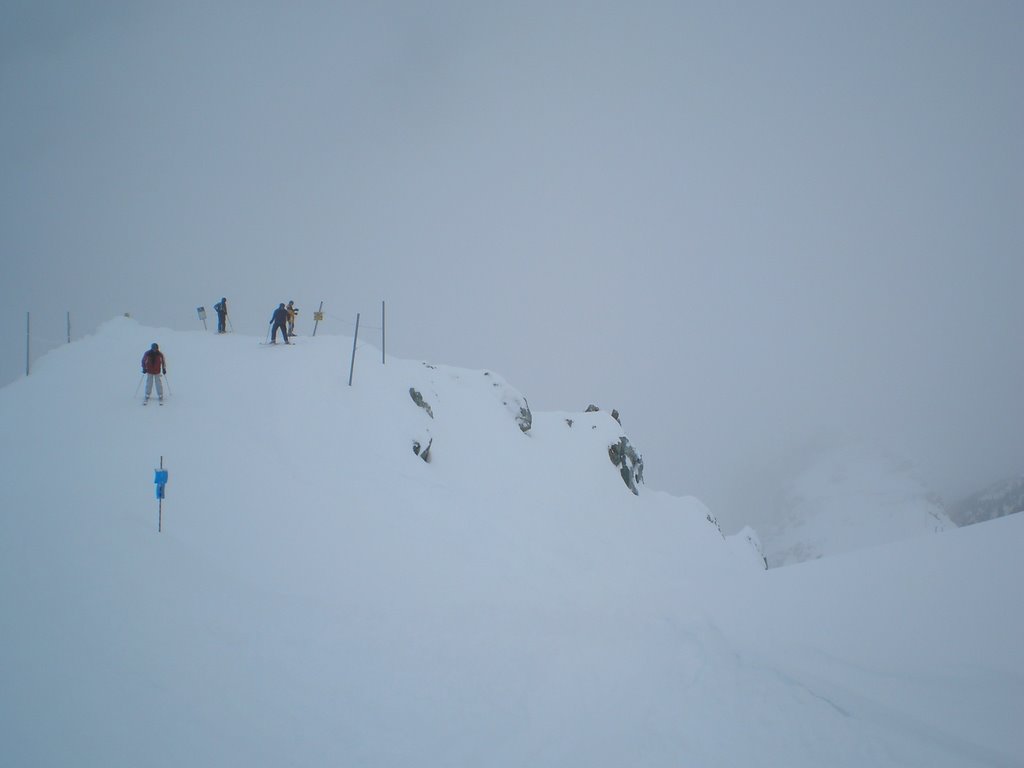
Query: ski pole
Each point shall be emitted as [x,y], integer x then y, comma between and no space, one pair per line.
[168,384]
[231,328]
[138,385]
[267,340]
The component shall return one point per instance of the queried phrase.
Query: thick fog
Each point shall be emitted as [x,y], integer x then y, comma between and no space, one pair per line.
[751,228]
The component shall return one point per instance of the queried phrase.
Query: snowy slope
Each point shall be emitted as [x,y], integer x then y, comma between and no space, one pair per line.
[849,498]
[320,595]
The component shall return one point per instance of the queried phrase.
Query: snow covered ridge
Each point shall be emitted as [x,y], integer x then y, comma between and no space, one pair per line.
[321,595]
[998,500]
[471,428]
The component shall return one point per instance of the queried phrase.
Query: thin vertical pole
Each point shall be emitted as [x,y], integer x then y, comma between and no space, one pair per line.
[160,507]
[352,366]
[383,334]
[317,318]
[28,336]
[69,326]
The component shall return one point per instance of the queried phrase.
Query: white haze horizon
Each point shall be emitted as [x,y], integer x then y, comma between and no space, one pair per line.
[754,231]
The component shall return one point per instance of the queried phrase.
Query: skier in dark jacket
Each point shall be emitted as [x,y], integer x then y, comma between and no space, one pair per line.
[280,321]
[221,307]
[153,364]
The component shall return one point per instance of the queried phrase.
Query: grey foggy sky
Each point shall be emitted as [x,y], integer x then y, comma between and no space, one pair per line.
[744,225]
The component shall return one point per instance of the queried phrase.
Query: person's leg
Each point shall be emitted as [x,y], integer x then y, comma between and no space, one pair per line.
[159,386]
[149,384]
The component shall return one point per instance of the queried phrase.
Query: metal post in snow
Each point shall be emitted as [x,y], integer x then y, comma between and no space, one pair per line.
[316,317]
[352,366]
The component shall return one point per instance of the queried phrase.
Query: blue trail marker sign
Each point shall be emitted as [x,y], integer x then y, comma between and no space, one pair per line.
[160,479]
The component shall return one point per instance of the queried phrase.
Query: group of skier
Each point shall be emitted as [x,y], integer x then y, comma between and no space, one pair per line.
[154,364]
[283,319]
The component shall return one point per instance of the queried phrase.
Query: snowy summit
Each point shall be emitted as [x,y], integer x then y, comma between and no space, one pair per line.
[418,570]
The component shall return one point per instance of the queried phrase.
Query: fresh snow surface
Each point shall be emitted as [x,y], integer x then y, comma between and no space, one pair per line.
[320,596]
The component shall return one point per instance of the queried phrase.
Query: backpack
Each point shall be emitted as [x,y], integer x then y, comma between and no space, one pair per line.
[153,361]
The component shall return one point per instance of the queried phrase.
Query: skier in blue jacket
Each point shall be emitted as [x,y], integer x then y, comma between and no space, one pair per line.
[280,321]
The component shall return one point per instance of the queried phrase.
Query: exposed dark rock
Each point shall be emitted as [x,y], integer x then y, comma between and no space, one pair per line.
[629,462]
[593,409]
[525,418]
[515,403]
[418,399]
[425,452]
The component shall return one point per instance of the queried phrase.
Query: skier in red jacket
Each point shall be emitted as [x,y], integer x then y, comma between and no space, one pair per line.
[153,364]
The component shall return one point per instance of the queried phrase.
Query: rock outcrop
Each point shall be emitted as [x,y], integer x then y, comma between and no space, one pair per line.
[629,462]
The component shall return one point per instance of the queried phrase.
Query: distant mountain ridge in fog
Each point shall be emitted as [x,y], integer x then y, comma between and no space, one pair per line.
[998,500]
[850,498]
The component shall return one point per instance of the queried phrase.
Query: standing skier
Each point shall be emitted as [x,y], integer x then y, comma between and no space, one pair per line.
[280,322]
[153,364]
[292,312]
[221,307]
